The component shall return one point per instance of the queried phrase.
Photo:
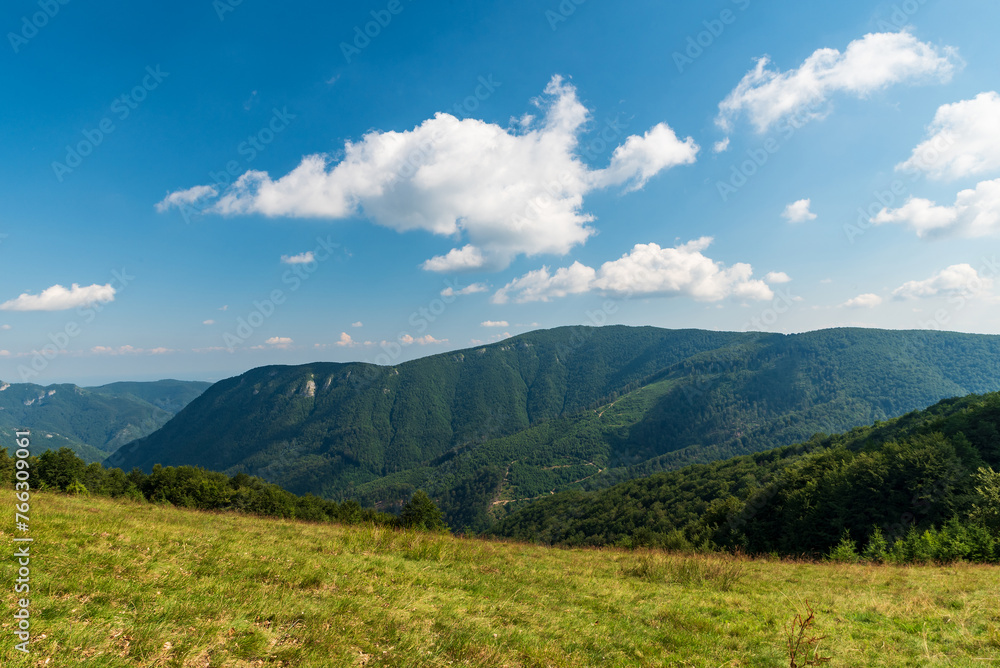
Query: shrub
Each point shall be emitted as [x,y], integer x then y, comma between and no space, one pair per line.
[422,513]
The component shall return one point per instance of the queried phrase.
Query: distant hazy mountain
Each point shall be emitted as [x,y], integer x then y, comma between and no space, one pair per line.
[92,421]
[487,429]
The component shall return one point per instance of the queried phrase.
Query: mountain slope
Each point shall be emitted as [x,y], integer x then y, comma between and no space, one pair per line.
[324,427]
[169,395]
[93,422]
[483,430]
[920,470]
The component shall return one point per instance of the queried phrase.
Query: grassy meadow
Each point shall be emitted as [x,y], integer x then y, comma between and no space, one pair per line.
[129,584]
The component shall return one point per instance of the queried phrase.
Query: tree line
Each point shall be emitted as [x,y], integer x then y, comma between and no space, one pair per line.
[194,487]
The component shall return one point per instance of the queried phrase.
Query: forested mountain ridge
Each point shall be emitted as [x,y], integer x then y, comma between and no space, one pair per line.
[324,427]
[922,479]
[92,421]
[486,429]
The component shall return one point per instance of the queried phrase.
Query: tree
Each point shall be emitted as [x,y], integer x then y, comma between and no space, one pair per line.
[987,506]
[422,513]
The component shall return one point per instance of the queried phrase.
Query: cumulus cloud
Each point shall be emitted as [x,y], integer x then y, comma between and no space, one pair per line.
[279,341]
[130,350]
[301,258]
[775,277]
[467,290]
[5,327]
[958,279]
[641,158]
[540,285]
[647,270]
[876,61]
[798,211]
[721,146]
[208,322]
[425,340]
[964,140]
[975,213]
[506,191]
[494,323]
[58,298]
[189,197]
[466,258]
[345,341]
[357,324]
[868,300]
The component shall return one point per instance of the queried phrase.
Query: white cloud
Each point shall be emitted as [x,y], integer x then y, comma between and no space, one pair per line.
[58,298]
[130,350]
[975,213]
[964,140]
[647,270]
[798,211]
[425,340]
[301,258]
[4,353]
[958,279]
[869,64]
[867,300]
[189,197]
[507,191]
[5,327]
[641,158]
[721,145]
[345,341]
[540,285]
[279,341]
[224,307]
[775,277]
[494,323]
[467,290]
[357,324]
[208,322]
[466,258]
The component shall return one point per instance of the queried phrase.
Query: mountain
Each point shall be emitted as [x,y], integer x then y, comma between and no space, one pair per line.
[907,476]
[168,395]
[91,421]
[486,430]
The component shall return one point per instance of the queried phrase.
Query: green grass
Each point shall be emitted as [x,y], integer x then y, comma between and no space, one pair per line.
[122,584]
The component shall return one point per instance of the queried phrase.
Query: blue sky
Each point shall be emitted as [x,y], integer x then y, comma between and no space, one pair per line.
[464,173]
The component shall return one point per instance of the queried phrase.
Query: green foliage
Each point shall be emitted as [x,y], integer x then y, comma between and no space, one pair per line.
[192,487]
[877,549]
[986,507]
[76,487]
[421,513]
[487,430]
[913,489]
[846,551]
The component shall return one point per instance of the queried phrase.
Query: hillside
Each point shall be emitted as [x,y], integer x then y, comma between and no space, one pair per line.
[91,421]
[124,584]
[485,430]
[902,477]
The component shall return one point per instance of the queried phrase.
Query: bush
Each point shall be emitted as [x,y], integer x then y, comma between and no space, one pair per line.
[877,549]
[846,551]
[422,513]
